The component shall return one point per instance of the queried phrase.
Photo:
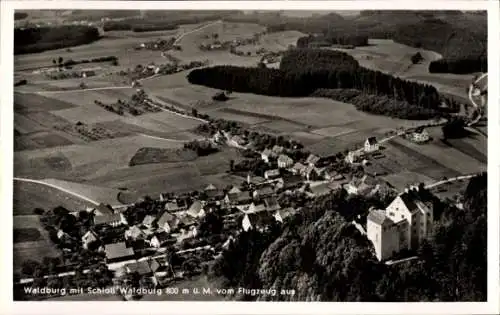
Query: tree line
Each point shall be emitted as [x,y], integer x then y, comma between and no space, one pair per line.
[325,258]
[304,71]
[38,39]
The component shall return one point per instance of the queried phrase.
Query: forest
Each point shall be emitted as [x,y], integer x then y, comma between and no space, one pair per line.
[38,39]
[325,258]
[303,71]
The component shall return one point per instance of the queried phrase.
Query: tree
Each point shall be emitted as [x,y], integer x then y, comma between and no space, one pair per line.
[416,58]
[231,165]
[38,211]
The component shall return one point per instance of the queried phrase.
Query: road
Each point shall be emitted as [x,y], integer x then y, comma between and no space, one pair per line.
[195,30]
[166,139]
[450,180]
[472,93]
[41,182]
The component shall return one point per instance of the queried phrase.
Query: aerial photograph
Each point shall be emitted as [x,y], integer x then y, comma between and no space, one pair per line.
[299,156]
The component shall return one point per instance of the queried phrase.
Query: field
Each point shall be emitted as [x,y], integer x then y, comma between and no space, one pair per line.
[31,241]
[273,42]
[28,196]
[390,57]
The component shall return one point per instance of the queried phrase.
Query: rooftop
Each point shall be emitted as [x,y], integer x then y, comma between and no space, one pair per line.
[107,219]
[140,267]
[117,250]
[379,217]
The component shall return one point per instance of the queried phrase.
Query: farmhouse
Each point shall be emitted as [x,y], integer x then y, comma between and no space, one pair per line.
[148,221]
[134,233]
[262,192]
[88,239]
[159,239]
[332,175]
[271,174]
[298,168]
[291,182]
[354,157]
[319,189]
[213,192]
[103,209]
[259,221]
[114,220]
[238,141]
[363,185]
[312,160]
[420,135]
[174,206]
[168,222]
[118,252]
[284,161]
[267,155]
[371,145]
[404,224]
[238,198]
[140,268]
[310,172]
[196,210]
[283,214]
[278,149]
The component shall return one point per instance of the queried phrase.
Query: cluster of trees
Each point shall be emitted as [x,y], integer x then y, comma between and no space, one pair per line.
[460,66]
[416,58]
[332,39]
[454,128]
[38,39]
[20,15]
[303,71]
[71,62]
[21,82]
[202,148]
[378,104]
[325,258]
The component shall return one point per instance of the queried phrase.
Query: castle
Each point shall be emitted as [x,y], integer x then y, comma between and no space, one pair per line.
[403,224]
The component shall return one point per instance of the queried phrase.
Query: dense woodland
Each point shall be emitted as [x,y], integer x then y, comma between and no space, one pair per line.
[325,258]
[304,71]
[38,39]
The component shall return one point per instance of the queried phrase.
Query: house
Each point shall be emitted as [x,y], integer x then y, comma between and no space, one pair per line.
[404,224]
[283,214]
[371,145]
[168,222]
[62,235]
[140,268]
[237,197]
[88,239]
[271,174]
[254,208]
[319,189]
[186,221]
[263,192]
[310,172]
[298,168]
[354,157]
[134,233]
[284,161]
[160,267]
[114,220]
[174,206]
[213,192]
[291,182]
[271,204]
[332,175]
[312,160]
[258,221]
[148,221]
[103,209]
[187,233]
[238,141]
[159,239]
[278,149]
[420,135]
[267,155]
[363,185]
[118,252]
[196,210]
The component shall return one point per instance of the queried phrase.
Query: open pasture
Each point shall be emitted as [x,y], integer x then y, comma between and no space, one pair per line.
[40,140]
[97,193]
[24,103]
[394,58]
[28,196]
[79,162]
[25,125]
[273,42]
[443,157]
[31,249]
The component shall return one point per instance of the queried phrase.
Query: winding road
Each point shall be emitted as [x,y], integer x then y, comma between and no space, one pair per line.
[476,92]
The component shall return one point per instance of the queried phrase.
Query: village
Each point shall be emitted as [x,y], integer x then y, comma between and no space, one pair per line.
[158,240]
